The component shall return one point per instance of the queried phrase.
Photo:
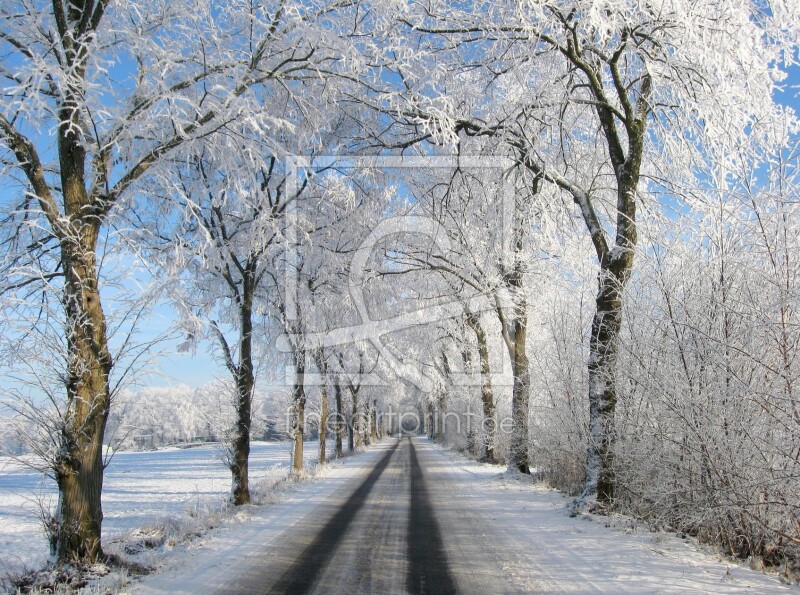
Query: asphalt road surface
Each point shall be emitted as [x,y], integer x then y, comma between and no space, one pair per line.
[384,536]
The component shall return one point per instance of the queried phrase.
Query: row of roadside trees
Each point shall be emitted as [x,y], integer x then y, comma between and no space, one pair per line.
[222,148]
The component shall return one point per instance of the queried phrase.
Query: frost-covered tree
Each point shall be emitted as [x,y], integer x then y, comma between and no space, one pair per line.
[219,245]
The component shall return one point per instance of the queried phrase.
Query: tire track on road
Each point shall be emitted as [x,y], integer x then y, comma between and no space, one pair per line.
[302,575]
[428,571]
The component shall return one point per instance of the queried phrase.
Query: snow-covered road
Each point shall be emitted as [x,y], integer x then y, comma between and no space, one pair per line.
[411,517]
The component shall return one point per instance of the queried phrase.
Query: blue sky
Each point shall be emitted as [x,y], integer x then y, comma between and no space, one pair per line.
[791,94]
[191,368]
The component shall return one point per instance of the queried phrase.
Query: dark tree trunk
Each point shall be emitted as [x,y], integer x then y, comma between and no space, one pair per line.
[351,442]
[79,465]
[245,384]
[519,457]
[616,266]
[487,395]
[322,367]
[340,423]
[323,424]
[440,428]
[615,269]
[299,410]
[374,422]
[366,419]
[355,422]
[244,381]
[240,460]
[514,336]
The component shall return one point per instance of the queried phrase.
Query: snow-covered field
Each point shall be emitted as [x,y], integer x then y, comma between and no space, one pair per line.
[139,488]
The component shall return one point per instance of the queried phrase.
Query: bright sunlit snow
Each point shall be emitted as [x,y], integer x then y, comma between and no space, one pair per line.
[138,488]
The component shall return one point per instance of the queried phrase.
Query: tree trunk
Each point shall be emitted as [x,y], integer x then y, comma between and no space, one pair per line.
[616,266]
[374,422]
[79,463]
[519,457]
[351,432]
[240,461]
[323,424]
[245,384]
[515,335]
[299,411]
[366,421]
[441,401]
[615,270]
[355,423]
[487,395]
[340,425]
[323,412]
[603,352]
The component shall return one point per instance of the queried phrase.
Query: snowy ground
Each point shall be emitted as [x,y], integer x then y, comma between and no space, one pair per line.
[139,488]
[495,527]
[522,528]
